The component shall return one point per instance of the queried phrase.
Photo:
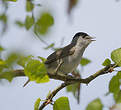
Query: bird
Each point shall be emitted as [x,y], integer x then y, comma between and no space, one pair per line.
[65,60]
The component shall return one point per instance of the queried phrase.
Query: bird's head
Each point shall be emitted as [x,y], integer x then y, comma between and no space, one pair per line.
[82,38]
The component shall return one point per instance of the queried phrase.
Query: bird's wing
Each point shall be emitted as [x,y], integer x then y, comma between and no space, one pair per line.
[61,53]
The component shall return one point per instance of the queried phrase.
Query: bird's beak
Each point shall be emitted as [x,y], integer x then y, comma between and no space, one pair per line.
[91,38]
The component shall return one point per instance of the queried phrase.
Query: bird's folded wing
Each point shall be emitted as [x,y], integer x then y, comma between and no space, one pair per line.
[61,53]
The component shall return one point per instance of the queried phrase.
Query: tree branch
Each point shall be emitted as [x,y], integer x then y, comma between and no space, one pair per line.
[105,70]
[71,80]
[68,80]
[50,97]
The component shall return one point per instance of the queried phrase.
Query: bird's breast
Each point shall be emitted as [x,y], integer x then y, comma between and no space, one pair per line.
[71,62]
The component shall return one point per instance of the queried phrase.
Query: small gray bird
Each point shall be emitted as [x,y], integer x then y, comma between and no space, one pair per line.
[66,60]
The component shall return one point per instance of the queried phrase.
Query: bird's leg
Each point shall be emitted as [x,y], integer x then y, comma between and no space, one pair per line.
[59,65]
[76,74]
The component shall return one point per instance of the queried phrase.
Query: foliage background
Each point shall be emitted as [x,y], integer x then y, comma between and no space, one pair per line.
[98,18]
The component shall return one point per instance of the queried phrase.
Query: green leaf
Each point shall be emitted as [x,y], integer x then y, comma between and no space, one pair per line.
[114,85]
[49,46]
[2,62]
[116,56]
[43,23]
[12,59]
[46,19]
[45,79]
[19,23]
[1,48]
[117,97]
[29,5]
[106,62]
[95,105]
[37,103]
[11,0]
[3,65]
[61,103]
[24,60]
[29,22]
[48,94]
[36,71]
[43,59]
[73,89]
[8,75]
[84,61]
[3,18]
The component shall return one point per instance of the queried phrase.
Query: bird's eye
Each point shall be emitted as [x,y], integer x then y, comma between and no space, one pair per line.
[87,37]
[83,36]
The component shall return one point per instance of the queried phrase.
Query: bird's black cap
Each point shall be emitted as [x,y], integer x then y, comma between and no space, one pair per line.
[77,35]
[83,34]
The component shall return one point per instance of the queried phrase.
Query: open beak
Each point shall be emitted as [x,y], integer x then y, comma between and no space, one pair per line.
[91,38]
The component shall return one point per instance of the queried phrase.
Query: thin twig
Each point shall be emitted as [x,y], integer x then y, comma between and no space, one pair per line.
[50,97]
[26,82]
[43,41]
